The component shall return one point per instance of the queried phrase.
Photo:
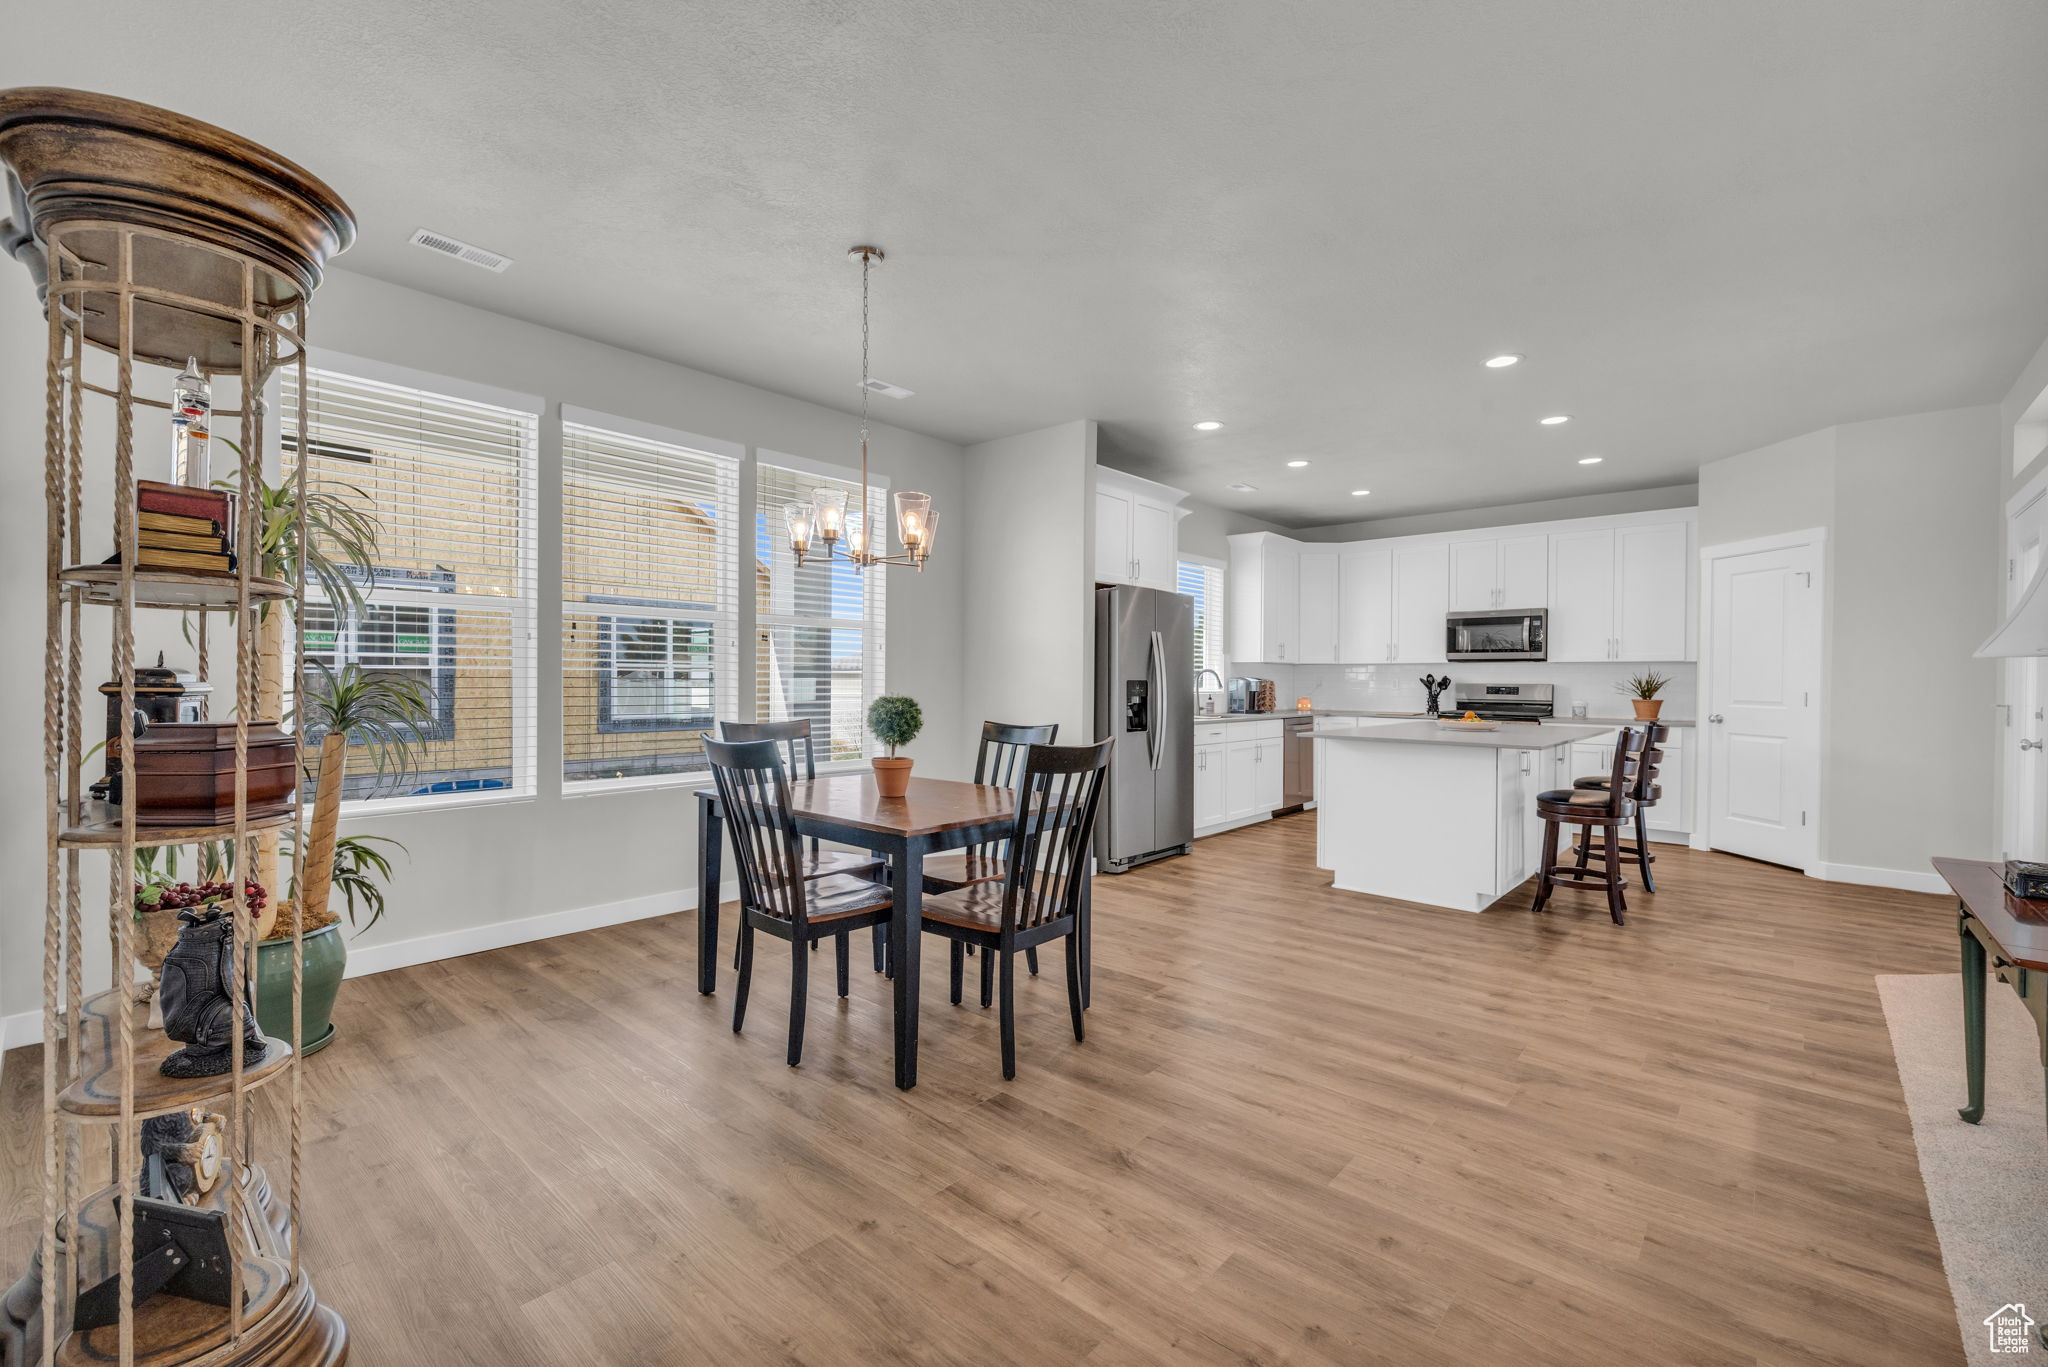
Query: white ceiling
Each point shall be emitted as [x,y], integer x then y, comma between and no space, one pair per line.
[1708,227]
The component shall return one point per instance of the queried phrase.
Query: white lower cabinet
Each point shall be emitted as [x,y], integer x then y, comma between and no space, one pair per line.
[1240,772]
[1212,790]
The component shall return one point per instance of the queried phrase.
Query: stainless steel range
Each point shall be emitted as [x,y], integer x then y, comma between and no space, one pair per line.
[1504,702]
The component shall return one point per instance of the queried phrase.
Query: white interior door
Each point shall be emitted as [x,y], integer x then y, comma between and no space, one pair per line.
[1763,699]
[2026,763]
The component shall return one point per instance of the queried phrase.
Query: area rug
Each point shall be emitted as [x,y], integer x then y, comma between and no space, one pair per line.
[1987,1184]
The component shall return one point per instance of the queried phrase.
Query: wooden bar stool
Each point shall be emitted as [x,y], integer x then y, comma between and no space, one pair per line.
[1607,808]
[1646,793]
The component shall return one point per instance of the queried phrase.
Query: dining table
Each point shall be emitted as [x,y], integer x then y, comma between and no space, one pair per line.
[2008,936]
[933,816]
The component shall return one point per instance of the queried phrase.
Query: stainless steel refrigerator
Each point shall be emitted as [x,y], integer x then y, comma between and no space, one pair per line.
[1144,698]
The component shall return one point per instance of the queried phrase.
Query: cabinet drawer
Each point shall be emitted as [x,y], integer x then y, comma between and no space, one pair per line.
[1254,730]
[1214,733]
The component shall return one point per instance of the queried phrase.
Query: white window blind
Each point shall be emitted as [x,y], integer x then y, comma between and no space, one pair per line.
[450,484]
[650,561]
[1204,584]
[819,629]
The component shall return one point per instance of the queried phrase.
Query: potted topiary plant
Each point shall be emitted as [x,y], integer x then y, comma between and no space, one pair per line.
[1642,689]
[895,720]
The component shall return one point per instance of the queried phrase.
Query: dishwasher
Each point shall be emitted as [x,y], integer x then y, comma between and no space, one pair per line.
[1299,767]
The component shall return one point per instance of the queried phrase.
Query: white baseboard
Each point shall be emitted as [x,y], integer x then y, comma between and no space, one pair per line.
[26,1027]
[1906,880]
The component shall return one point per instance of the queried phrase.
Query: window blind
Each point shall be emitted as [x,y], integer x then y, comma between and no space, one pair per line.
[650,603]
[819,629]
[1204,584]
[450,484]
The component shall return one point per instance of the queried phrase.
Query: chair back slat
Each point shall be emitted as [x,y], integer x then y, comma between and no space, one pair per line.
[793,736]
[1058,795]
[1649,759]
[1628,757]
[753,787]
[1001,757]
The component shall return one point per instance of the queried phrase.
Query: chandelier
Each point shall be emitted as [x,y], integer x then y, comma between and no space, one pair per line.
[825,528]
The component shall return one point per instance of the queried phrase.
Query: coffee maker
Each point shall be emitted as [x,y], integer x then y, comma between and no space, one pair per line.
[1251,695]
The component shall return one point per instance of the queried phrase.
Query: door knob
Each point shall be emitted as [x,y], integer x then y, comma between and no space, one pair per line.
[2030,745]
[1715,719]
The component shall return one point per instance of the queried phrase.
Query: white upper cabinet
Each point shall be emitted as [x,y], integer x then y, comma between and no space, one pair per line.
[1652,565]
[1265,596]
[1316,628]
[1582,594]
[1622,593]
[1365,597]
[1422,594]
[1135,521]
[1500,572]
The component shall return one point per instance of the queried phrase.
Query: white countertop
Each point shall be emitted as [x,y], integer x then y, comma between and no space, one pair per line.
[1418,716]
[1511,736]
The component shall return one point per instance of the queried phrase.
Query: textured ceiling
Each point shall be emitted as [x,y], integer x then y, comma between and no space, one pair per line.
[1707,226]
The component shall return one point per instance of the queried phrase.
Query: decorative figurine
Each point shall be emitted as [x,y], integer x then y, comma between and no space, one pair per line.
[181,1154]
[1436,689]
[201,1001]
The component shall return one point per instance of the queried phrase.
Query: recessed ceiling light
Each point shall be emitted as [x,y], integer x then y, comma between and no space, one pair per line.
[1360,493]
[1296,464]
[1244,488]
[1589,460]
[1502,361]
[1554,419]
[1207,426]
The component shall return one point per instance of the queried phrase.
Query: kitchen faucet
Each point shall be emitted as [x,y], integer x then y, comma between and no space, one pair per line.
[1211,673]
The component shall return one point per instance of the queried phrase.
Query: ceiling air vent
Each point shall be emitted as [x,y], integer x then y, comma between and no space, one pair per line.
[460,250]
[883,387]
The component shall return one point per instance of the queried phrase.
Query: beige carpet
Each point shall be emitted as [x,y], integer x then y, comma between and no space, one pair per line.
[1987,1184]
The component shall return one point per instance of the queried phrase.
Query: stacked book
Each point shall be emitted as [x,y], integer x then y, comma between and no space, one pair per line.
[178,527]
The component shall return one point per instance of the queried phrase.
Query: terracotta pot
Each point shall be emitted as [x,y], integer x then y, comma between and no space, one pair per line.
[1648,708]
[892,776]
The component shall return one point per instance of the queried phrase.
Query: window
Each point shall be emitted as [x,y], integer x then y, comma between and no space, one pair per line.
[818,648]
[650,597]
[450,484]
[1203,582]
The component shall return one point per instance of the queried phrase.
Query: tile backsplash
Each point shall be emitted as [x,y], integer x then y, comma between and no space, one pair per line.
[1398,688]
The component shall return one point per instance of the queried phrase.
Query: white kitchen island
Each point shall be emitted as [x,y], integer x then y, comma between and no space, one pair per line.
[1410,811]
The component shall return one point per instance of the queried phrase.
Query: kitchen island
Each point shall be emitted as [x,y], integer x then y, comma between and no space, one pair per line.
[1412,811]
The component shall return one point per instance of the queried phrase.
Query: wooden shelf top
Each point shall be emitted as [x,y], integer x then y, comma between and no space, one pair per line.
[170,588]
[101,829]
[95,1095]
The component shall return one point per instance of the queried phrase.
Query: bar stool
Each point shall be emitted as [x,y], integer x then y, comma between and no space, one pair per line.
[1647,791]
[1608,808]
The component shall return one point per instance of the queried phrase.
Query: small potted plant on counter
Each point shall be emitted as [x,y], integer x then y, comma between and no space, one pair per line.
[895,720]
[1642,690]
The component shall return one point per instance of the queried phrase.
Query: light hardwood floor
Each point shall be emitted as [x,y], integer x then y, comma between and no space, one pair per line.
[1306,1127]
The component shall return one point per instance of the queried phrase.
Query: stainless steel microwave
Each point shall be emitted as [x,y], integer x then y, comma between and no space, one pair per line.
[1518,634]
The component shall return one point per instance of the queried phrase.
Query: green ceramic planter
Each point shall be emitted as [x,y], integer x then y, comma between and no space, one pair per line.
[326,957]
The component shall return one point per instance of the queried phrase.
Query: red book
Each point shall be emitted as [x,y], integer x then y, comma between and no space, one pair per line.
[182,500]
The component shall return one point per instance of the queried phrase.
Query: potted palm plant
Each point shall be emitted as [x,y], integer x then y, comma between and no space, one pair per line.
[1642,690]
[895,720]
[348,707]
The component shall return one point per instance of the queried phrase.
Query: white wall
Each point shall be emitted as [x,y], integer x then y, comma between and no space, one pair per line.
[1029,631]
[475,872]
[1912,584]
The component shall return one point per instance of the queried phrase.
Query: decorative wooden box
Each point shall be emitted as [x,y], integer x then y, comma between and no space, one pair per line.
[185,772]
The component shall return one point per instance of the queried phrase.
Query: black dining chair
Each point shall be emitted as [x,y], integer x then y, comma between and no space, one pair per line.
[1000,760]
[776,895]
[795,739]
[1045,877]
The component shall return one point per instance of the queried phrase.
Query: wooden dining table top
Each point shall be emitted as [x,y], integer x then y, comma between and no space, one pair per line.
[931,806]
[2019,926]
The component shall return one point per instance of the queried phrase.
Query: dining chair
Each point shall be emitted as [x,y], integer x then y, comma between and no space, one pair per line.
[1000,760]
[795,739]
[776,896]
[1045,874]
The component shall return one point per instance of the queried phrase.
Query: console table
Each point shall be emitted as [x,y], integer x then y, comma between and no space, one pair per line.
[2011,937]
